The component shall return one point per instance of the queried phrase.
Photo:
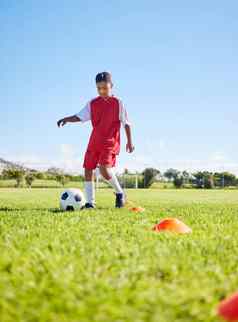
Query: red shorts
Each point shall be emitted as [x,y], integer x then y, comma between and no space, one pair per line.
[93,159]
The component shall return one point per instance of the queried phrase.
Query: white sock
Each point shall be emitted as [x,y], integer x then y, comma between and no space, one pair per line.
[115,183]
[89,192]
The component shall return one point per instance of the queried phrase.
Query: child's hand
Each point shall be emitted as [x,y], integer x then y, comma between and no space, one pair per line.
[61,122]
[68,119]
[130,147]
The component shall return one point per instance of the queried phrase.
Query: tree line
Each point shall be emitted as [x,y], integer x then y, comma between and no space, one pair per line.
[180,179]
[144,179]
[22,175]
[200,179]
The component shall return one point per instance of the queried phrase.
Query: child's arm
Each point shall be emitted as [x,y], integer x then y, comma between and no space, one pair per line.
[83,116]
[125,122]
[129,146]
[68,119]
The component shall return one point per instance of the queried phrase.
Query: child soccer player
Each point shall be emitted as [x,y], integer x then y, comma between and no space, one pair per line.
[106,113]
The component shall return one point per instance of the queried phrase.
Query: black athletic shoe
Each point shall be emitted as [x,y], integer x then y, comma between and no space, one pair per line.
[120,200]
[89,206]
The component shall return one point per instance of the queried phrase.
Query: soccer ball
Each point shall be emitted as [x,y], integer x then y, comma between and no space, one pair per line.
[72,199]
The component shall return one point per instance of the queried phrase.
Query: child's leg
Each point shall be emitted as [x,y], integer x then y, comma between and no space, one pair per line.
[109,175]
[89,187]
[107,161]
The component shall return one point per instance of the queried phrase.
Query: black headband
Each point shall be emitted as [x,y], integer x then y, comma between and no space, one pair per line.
[104,77]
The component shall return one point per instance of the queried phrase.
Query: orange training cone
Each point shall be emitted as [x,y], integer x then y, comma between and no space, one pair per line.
[137,209]
[228,308]
[173,225]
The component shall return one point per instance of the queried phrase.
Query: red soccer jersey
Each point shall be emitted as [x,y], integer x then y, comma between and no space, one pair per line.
[106,125]
[106,115]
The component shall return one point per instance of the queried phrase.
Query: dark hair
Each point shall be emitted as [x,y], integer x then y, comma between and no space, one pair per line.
[103,77]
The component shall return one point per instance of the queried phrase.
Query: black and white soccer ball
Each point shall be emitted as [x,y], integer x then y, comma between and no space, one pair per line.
[72,199]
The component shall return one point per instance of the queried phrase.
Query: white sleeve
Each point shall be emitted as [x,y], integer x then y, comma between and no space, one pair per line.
[85,113]
[123,117]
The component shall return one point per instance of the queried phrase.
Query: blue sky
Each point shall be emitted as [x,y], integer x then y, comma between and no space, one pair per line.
[174,64]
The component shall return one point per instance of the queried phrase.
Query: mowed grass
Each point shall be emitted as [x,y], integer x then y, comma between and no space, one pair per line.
[108,265]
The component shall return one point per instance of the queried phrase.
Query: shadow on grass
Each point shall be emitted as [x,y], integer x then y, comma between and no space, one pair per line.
[4,209]
[52,210]
[55,210]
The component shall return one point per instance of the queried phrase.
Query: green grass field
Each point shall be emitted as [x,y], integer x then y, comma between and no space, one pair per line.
[107,265]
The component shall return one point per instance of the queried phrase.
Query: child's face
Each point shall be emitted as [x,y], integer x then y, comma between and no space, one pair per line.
[104,89]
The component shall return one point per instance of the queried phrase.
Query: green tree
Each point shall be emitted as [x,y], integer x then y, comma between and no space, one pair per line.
[126,171]
[178,181]
[62,179]
[15,173]
[29,178]
[209,182]
[171,174]
[186,176]
[149,176]
[224,179]
[198,179]
[40,175]
[204,179]
[53,172]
